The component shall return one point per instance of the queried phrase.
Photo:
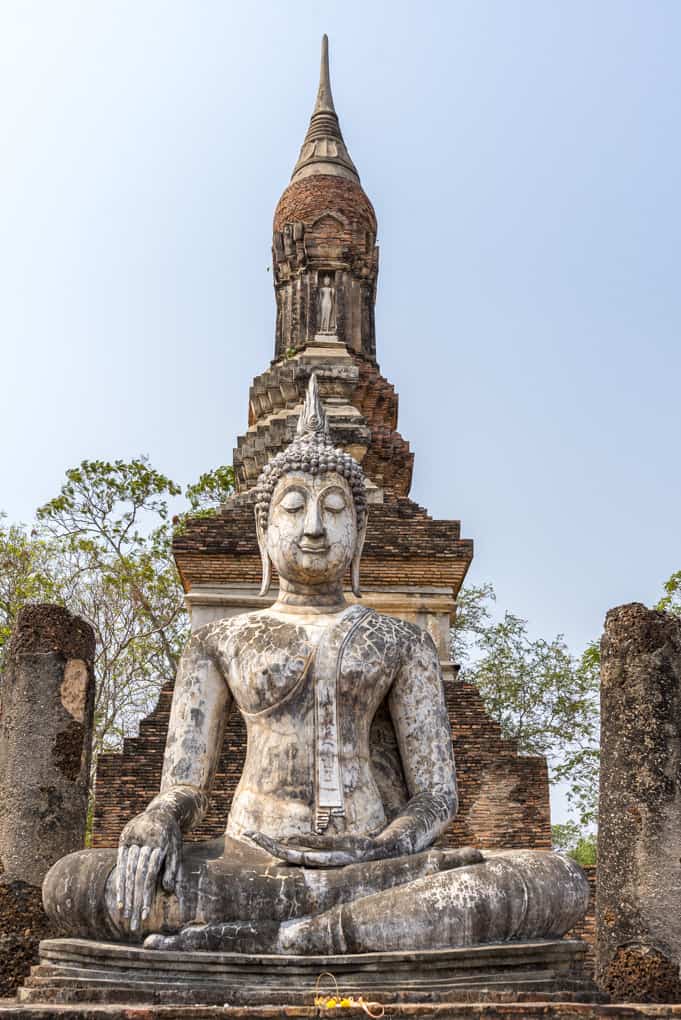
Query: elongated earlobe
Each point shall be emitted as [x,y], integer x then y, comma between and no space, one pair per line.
[264,556]
[354,567]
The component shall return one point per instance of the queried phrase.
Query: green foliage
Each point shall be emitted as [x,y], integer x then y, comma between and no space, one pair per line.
[541,696]
[670,602]
[102,547]
[110,526]
[473,617]
[208,494]
[570,839]
[26,575]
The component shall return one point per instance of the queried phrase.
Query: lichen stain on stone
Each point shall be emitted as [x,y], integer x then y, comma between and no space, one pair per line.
[73,690]
[67,751]
[50,807]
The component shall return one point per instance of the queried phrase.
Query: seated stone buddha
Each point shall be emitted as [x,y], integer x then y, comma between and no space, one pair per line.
[349,777]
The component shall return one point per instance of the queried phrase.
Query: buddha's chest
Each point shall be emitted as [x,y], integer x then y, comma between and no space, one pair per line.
[280,668]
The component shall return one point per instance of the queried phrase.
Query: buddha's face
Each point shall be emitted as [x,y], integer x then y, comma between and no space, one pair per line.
[312,527]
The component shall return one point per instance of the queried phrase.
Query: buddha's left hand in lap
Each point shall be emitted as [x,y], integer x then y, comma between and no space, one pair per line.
[337,851]
[314,851]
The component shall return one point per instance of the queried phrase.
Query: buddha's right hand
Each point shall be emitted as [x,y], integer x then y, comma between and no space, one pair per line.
[150,842]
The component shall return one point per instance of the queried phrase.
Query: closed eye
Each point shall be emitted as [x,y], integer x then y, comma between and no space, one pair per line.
[334,503]
[293,503]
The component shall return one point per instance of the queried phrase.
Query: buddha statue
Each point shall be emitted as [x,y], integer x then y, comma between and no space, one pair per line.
[327,306]
[349,780]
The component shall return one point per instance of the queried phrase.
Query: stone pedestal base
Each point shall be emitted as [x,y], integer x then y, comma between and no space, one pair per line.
[78,971]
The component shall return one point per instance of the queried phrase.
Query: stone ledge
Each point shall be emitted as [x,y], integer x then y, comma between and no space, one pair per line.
[77,971]
[521,1010]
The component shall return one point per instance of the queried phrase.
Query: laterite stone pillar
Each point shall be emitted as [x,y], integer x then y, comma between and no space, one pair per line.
[46,713]
[638,894]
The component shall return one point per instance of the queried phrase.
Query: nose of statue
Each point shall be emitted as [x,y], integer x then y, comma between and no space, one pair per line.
[313,526]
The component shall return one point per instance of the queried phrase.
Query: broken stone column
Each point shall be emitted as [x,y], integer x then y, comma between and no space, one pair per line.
[46,712]
[638,895]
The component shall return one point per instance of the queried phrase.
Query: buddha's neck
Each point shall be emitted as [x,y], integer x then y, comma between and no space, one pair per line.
[300,598]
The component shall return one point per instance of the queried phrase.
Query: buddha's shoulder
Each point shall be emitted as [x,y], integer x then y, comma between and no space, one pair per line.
[400,632]
[251,629]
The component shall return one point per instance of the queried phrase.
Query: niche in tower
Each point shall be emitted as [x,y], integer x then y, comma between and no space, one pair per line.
[327,303]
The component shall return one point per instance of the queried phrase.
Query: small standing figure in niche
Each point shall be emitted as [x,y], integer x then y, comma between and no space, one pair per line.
[327,306]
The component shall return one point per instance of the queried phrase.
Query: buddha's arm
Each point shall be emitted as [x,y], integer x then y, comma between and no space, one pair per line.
[152,842]
[424,738]
[200,709]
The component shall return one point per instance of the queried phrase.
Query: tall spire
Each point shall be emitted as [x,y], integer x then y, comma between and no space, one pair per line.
[324,97]
[324,151]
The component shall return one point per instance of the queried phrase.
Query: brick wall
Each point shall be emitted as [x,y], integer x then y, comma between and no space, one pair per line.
[587,929]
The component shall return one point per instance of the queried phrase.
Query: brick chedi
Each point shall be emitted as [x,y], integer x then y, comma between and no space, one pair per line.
[325,262]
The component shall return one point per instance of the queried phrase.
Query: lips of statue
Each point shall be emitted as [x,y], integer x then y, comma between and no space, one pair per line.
[312,528]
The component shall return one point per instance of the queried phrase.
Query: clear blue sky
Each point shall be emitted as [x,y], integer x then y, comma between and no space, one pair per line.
[524,161]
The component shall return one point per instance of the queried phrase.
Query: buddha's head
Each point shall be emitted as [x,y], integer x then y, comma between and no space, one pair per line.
[311,507]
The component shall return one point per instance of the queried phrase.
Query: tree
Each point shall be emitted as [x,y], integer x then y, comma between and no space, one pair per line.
[540,695]
[569,838]
[670,602]
[211,490]
[109,538]
[473,617]
[25,575]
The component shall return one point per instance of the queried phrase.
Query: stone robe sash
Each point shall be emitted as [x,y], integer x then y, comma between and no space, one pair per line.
[326,667]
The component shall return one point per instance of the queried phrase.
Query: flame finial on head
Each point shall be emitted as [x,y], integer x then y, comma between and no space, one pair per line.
[313,423]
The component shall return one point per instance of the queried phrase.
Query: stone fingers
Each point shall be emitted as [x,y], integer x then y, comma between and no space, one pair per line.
[155,862]
[172,862]
[193,937]
[468,855]
[130,870]
[138,886]
[161,942]
[137,872]
[270,845]
[304,857]
[120,876]
[330,858]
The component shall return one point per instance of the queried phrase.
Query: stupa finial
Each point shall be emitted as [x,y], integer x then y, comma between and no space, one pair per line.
[324,96]
[324,151]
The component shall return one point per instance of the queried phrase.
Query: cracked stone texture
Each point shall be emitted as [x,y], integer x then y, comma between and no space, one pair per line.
[46,709]
[638,900]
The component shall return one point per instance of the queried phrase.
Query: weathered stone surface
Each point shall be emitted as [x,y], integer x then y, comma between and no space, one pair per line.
[349,769]
[72,970]
[511,813]
[23,924]
[638,900]
[519,1006]
[46,707]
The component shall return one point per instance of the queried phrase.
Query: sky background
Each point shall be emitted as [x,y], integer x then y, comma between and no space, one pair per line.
[524,162]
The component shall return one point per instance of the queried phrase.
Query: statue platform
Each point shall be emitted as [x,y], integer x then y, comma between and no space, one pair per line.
[73,971]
